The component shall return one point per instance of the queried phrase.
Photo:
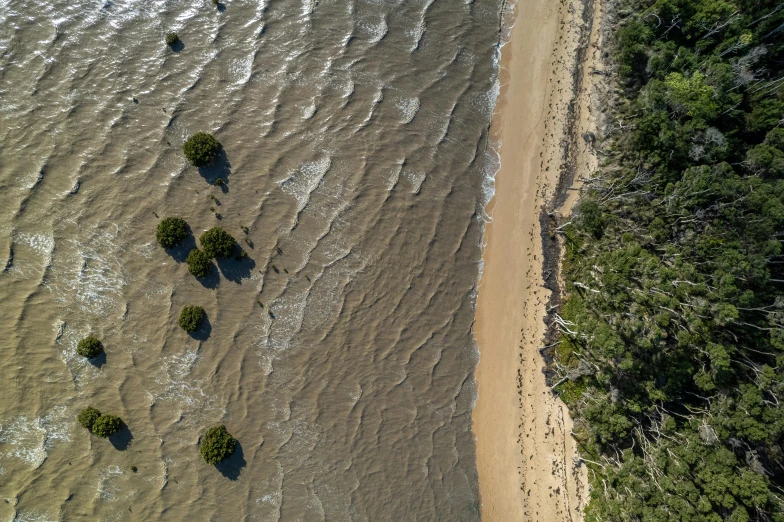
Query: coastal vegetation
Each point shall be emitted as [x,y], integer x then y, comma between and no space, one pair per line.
[216,242]
[201,149]
[87,417]
[89,347]
[217,444]
[190,318]
[106,426]
[100,425]
[671,346]
[171,232]
[198,263]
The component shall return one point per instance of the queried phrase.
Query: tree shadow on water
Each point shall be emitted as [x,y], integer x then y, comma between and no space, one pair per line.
[220,169]
[181,251]
[122,439]
[236,269]
[177,46]
[99,360]
[232,466]
[211,280]
[204,330]
[221,7]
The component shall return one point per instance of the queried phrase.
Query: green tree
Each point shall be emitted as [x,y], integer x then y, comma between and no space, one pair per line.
[198,263]
[190,318]
[669,345]
[692,95]
[88,416]
[767,158]
[89,347]
[216,242]
[201,149]
[217,444]
[592,218]
[106,426]
[171,232]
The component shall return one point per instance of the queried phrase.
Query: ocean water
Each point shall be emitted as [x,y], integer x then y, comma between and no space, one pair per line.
[357,153]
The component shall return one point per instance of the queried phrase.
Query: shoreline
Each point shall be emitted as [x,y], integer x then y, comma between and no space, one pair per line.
[527,461]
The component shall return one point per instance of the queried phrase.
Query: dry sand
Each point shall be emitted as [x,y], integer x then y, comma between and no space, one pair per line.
[527,461]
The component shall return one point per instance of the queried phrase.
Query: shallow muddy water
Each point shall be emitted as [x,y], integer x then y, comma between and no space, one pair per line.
[356,153]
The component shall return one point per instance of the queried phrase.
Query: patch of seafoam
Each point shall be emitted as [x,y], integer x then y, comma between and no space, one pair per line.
[30,439]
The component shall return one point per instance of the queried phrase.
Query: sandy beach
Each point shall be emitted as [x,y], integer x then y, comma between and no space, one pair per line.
[527,461]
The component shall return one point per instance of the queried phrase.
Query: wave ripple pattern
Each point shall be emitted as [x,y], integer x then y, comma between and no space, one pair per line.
[339,351]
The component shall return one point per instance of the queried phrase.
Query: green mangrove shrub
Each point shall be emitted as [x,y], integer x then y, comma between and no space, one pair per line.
[198,263]
[89,347]
[201,149]
[190,318]
[171,232]
[88,416]
[217,445]
[216,242]
[106,426]
[172,38]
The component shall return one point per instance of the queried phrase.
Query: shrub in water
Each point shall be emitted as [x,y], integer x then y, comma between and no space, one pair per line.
[171,232]
[106,425]
[216,242]
[191,317]
[217,445]
[88,416]
[172,38]
[89,347]
[201,149]
[198,263]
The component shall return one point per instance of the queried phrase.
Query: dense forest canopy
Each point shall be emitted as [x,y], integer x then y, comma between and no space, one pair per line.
[671,354]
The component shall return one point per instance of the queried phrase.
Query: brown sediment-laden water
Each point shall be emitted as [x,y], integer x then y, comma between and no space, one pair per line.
[339,352]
